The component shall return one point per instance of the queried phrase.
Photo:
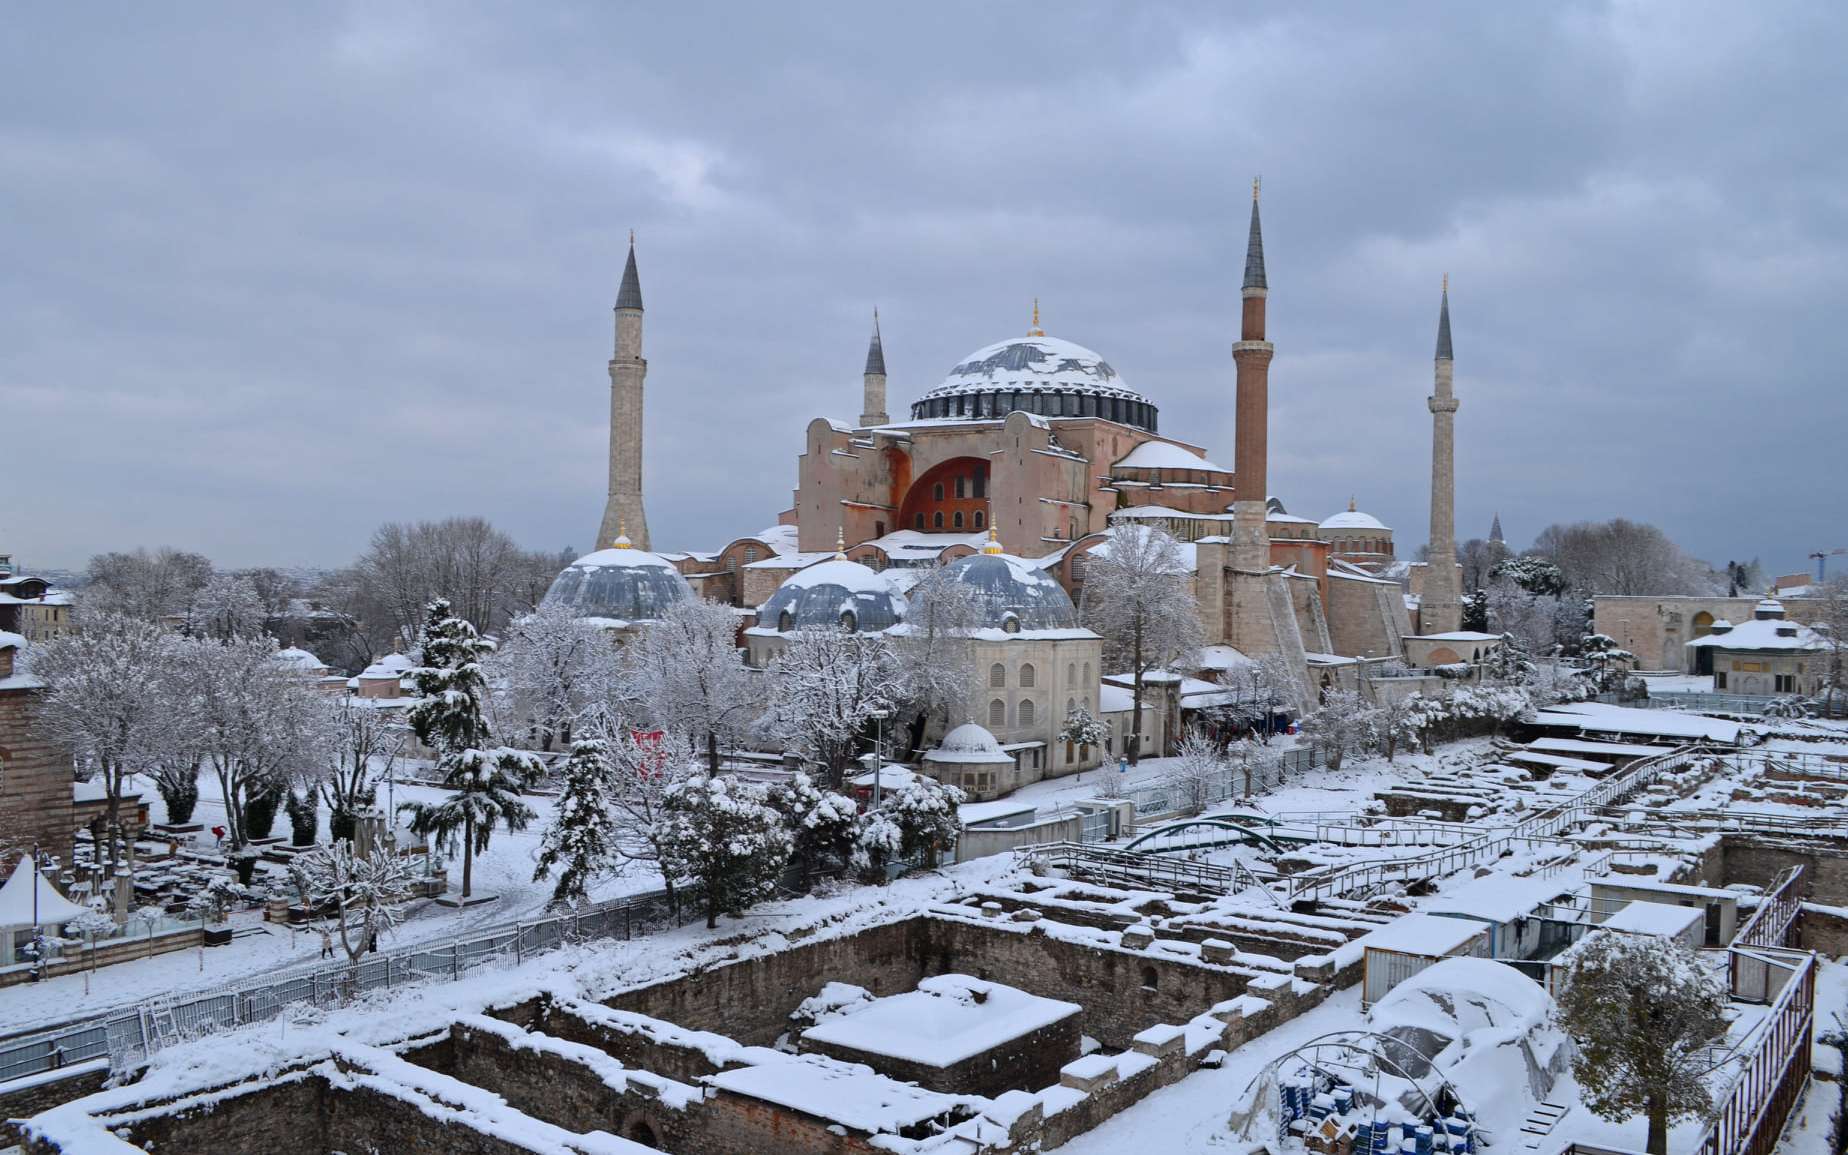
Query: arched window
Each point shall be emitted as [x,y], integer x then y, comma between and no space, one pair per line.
[1026,711]
[997,675]
[1027,674]
[997,714]
[848,621]
[750,554]
[1070,705]
[981,482]
[785,621]
[920,521]
[1071,671]
[1087,673]
[960,483]
[936,491]
[956,518]
[981,519]
[936,519]
[1150,980]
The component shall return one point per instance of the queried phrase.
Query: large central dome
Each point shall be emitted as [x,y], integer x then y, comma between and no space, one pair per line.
[1035,374]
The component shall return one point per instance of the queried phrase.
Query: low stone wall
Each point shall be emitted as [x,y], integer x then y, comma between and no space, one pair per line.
[109,953]
[984,841]
[28,1096]
[1024,1063]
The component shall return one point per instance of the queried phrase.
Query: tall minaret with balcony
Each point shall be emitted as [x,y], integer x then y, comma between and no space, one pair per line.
[628,370]
[1441,609]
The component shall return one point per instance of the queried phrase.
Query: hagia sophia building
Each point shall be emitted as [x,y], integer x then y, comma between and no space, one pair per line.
[1028,457]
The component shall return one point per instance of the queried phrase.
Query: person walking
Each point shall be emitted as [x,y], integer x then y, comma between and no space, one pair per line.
[327,942]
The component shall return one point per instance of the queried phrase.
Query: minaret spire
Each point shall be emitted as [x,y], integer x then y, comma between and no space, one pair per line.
[1440,610]
[873,381]
[1251,445]
[1035,330]
[628,373]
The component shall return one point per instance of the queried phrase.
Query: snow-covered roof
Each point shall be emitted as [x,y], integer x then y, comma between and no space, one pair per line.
[1222,658]
[824,594]
[11,641]
[1009,589]
[1755,634]
[1458,636]
[1494,993]
[1190,560]
[299,660]
[1114,699]
[1167,455]
[1426,934]
[620,583]
[850,1094]
[1163,513]
[1354,519]
[1654,918]
[1033,362]
[1609,719]
[388,667]
[16,899]
[1497,897]
[967,745]
[1680,889]
[949,1018]
[792,560]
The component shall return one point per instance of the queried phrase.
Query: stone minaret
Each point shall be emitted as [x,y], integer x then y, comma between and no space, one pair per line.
[623,512]
[1252,353]
[873,400]
[1441,611]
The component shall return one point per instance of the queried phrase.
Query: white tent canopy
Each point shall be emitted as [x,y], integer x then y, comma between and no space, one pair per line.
[16,905]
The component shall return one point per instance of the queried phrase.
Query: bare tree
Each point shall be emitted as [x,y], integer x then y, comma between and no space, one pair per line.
[367,893]
[689,676]
[1136,595]
[1198,769]
[936,663]
[226,606]
[361,746]
[144,584]
[464,559]
[826,687]
[549,670]
[1624,557]
[107,701]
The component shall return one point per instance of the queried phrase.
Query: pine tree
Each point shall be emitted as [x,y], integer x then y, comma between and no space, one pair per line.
[924,810]
[723,834]
[485,781]
[823,823]
[582,837]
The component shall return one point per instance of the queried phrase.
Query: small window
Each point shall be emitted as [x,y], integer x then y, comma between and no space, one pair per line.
[956,519]
[920,521]
[936,519]
[997,714]
[1071,671]
[848,621]
[1026,711]
[1028,675]
[936,491]
[1719,679]
[997,676]
[750,554]
[981,482]
[785,621]
[1087,673]
[981,519]
[879,529]
[1150,980]
[959,487]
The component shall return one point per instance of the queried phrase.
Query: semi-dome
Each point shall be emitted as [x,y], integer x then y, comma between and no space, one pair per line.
[1036,374]
[836,592]
[620,583]
[1351,518]
[1012,593]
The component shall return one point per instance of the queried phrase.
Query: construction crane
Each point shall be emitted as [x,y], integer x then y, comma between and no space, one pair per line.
[1821,558]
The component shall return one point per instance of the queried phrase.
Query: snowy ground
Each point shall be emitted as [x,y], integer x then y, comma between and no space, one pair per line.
[506,869]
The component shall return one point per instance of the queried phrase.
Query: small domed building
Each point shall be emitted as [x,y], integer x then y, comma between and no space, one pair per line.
[836,593]
[618,588]
[1358,538]
[971,758]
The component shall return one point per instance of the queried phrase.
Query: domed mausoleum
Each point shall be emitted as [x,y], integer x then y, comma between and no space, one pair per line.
[1357,537]
[971,758]
[619,586]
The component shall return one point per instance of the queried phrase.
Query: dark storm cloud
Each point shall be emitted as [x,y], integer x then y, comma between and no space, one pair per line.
[273,275]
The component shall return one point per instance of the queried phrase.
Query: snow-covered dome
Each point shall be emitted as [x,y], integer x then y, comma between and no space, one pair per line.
[620,583]
[968,744]
[1036,374]
[1010,589]
[836,592]
[300,661]
[1352,519]
[1768,608]
[388,667]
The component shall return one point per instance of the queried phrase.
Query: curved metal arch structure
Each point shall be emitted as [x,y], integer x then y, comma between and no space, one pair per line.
[1238,833]
[1354,1056]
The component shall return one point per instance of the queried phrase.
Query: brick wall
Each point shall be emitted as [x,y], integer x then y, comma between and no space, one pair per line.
[1025,1063]
[46,1093]
[35,784]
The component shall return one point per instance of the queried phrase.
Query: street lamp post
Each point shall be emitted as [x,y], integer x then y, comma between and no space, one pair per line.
[877,757]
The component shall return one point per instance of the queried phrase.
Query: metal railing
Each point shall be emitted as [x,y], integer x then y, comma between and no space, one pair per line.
[1157,798]
[1098,863]
[126,1037]
[1775,1070]
[1776,912]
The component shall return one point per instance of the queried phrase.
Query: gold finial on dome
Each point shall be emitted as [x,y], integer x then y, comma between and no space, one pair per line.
[993,544]
[622,537]
[840,542]
[1036,331]
[1350,505]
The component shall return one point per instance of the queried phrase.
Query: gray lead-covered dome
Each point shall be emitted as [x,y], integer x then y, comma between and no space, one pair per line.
[621,584]
[1035,374]
[1009,588]
[835,593]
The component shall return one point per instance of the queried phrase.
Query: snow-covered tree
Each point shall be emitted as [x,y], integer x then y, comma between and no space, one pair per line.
[934,660]
[304,810]
[213,899]
[1258,688]
[147,585]
[367,894]
[1397,722]
[1343,723]
[484,780]
[827,686]
[689,676]
[1510,662]
[1136,595]
[361,745]
[258,725]
[1082,728]
[823,823]
[227,606]
[1607,658]
[548,668]
[924,810]
[580,844]
[1643,1010]
[723,834]
[108,701]
[1197,771]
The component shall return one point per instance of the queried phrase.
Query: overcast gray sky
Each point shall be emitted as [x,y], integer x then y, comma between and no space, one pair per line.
[270,274]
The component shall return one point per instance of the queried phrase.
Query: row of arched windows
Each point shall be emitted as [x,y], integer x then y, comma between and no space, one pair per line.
[1024,714]
[1002,402]
[997,675]
[956,519]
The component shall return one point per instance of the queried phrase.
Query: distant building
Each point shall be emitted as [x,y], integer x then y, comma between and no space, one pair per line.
[29,606]
[1766,654]
[1658,629]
